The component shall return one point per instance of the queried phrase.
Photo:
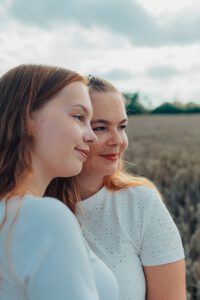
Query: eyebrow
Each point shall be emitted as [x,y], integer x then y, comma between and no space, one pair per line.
[82,107]
[107,122]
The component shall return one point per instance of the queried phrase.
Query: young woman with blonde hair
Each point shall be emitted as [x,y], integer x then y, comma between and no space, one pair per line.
[123,216]
[45,133]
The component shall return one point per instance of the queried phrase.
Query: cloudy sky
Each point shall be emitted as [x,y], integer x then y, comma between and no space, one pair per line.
[149,46]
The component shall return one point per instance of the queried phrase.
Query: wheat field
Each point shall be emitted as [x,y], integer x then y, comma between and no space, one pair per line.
[166,149]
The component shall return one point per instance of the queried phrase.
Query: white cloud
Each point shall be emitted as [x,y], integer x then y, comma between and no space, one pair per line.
[69,46]
[163,7]
[105,53]
[126,18]
[161,72]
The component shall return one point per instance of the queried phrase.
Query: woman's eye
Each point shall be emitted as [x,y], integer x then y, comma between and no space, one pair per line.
[122,127]
[79,117]
[100,128]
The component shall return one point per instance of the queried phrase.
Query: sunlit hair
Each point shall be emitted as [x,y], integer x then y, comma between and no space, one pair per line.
[121,178]
[23,90]
[68,191]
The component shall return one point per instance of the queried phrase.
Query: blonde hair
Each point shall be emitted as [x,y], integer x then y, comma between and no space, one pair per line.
[121,178]
[67,190]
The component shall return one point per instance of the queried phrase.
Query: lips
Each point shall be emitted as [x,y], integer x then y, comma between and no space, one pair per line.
[110,156]
[83,152]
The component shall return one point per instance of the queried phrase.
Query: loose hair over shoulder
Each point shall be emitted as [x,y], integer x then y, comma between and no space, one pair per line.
[23,90]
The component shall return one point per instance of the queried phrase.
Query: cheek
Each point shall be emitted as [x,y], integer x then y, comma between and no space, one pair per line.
[46,126]
[93,158]
[93,155]
[67,131]
[125,143]
[56,135]
[96,148]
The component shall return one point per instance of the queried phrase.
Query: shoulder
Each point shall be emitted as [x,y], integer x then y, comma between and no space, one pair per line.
[138,202]
[139,195]
[46,212]
[134,203]
[45,205]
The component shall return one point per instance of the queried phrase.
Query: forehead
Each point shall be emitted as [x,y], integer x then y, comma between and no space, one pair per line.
[108,105]
[76,93]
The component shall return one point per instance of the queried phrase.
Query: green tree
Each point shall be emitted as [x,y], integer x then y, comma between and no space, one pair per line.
[167,108]
[176,108]
[133,105]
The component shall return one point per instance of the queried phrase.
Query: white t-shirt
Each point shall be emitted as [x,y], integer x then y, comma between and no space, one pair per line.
[44,256]
[129,229]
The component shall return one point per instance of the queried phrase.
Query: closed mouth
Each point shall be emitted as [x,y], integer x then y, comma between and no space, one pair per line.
[111,156]
[83,152]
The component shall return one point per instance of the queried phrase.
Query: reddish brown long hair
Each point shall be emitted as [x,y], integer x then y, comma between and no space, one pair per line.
[24,89]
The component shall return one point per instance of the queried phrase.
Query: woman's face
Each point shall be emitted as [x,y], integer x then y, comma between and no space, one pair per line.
[108,123]
[62,132]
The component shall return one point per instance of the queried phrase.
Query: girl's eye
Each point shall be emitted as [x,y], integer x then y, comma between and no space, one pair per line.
[79,117]
[100,128]
[122,127]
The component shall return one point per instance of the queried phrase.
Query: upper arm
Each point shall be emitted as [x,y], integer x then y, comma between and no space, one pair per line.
[161,242]
[166,281]
[162,254]
[60,267]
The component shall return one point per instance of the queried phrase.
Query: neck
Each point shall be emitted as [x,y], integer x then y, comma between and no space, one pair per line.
[34,184]
[90,184]
[31,187]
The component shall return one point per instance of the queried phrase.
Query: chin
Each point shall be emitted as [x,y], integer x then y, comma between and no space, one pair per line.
[109,172]
[73,171]
[77,171]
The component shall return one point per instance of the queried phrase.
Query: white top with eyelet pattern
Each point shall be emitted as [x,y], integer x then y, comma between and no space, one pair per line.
[129,229]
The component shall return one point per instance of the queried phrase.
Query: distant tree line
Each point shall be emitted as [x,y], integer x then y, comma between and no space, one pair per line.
[134,106]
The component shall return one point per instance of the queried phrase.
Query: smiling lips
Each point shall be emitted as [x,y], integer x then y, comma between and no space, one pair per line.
[84,153]
[111,156]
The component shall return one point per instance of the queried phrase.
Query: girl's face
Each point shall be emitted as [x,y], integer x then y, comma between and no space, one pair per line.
[108,123]
[62,132]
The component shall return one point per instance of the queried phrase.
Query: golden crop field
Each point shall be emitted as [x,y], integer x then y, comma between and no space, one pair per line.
[166,149]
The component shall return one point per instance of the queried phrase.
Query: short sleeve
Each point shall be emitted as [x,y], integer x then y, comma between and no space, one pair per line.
[161,241]
[58,265]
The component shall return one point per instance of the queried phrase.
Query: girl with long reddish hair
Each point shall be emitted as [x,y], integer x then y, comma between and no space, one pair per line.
[45,133]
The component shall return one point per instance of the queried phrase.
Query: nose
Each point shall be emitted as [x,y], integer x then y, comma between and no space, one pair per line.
[115,139]
[89,136]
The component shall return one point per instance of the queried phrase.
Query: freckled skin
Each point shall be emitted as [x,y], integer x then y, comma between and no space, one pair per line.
[112,138]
